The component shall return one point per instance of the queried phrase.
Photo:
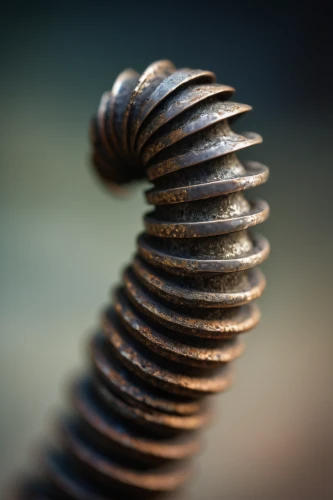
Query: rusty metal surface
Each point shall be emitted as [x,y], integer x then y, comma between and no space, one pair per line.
[168,338]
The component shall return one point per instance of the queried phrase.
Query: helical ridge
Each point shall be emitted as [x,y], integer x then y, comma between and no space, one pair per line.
[168,338]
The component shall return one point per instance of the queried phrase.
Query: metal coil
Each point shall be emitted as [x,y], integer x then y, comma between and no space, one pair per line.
[168,338]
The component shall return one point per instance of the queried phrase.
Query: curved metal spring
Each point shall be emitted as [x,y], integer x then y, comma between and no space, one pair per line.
[168,338]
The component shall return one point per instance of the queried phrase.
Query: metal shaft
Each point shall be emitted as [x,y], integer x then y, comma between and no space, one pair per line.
[167,340]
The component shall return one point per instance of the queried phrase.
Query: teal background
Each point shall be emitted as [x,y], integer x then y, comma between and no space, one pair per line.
[64,240]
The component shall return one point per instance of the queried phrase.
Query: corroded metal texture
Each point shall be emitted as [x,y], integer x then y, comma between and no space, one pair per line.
[168,338]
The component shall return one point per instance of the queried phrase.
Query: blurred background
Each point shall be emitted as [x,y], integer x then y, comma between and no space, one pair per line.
[65,240]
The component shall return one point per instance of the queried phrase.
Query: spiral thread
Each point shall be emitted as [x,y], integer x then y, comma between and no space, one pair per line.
[168,339]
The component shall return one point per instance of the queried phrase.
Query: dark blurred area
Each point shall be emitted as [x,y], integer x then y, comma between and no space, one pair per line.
[64,239]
